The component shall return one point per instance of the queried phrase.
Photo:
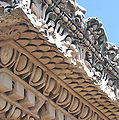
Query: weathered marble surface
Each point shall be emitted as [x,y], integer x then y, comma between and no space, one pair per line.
[82,41]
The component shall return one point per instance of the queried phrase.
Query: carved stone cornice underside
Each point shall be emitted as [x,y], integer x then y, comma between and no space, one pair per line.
[80,40]
[47,75]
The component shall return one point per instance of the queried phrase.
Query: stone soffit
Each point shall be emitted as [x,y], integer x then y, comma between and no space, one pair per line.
[41,81]
[43,72]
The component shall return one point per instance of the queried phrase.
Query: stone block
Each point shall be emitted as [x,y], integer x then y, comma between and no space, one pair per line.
[59,115]
[67,118]
[5,82]
[48,112]
[29,100]
[17,93]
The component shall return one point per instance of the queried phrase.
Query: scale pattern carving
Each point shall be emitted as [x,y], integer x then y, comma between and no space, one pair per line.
[43,82]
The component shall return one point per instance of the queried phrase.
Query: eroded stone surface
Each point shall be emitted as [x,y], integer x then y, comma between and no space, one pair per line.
[74,49]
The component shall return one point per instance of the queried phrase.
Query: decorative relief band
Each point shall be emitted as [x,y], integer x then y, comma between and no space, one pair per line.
[30,42]
[19,101]
[44,83]
[32,57]
[62,21]
[12,91]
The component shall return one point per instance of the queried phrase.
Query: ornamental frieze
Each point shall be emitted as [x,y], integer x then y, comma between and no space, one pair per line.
[42,81]
[54,64]
[39,63]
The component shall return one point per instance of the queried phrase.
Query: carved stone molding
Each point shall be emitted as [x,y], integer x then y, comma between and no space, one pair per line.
[19,101]
[39,63]
[84,40]
[42,81]
[61,59]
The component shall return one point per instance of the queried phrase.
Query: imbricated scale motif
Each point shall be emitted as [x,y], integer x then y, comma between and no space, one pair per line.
[43,82]
[36,57]
[85,40]
[38,77]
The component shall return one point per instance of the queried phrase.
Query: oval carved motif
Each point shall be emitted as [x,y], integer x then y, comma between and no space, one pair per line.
[2,104]
[22,63]
[6,54]
[37,75]
[75,107]
[49,86]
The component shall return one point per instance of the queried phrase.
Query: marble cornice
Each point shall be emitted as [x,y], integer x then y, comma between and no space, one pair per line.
[33,59]
[20,101]
[63,57]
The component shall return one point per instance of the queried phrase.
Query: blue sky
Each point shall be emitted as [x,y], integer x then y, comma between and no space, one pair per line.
[107,12]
